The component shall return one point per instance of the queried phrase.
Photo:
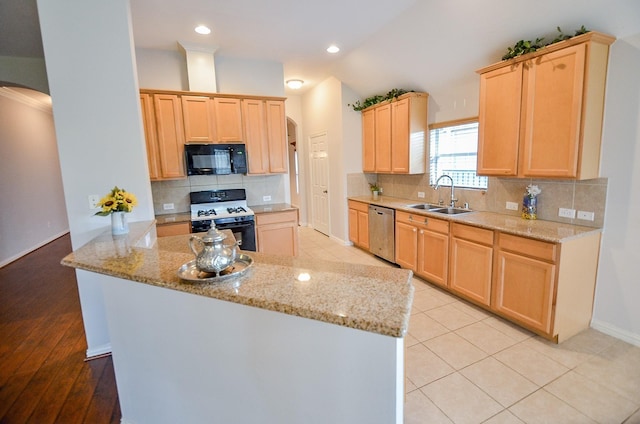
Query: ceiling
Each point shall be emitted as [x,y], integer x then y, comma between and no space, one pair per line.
[413,44]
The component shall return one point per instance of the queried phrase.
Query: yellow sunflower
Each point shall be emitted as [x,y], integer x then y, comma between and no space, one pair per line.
[118,200]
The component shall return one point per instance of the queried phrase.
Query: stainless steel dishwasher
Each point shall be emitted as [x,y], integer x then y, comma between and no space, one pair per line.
[382,232]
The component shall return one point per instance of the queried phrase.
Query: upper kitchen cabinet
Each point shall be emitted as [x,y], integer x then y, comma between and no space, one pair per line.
[228,113]
[169,136]
[394,135]
[541,114]
[265,135]
[150,135]
[198,117]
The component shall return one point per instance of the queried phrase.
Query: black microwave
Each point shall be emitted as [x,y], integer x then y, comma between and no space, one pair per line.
[215,159]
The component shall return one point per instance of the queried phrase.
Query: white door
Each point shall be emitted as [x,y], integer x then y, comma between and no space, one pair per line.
[319,182]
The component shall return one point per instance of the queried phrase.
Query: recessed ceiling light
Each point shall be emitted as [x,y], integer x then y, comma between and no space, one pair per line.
[201,29]
[333,49]
[294,83]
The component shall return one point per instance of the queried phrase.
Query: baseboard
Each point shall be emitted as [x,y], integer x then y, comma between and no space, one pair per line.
[13,258]
[98,352]
[616,332]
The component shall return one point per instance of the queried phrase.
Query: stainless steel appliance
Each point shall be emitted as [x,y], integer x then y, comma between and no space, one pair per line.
[210,159]
[382,232]
[228,210]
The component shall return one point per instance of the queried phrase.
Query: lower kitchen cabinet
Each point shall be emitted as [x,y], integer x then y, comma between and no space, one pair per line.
[173,229]
[422,245]
[359,224]
[524,281]
[470,259]
[277,232]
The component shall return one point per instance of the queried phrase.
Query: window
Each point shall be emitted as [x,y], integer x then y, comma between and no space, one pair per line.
[453,150]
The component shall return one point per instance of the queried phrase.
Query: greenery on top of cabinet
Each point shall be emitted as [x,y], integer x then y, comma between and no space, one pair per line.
[528,46]
[374,100]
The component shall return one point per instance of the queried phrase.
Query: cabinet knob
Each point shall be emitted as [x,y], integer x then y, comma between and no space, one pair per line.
[421,232]
[414,230]
[410,217]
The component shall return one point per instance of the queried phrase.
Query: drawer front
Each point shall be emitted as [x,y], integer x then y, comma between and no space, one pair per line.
[528,247]
[359,206]
[424,222]
[276,217]
[475,234]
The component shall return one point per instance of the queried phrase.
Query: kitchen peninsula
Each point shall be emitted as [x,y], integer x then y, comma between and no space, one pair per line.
[291,341]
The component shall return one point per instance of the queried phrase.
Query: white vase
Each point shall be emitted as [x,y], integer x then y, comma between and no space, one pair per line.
[375,195]
[119,224]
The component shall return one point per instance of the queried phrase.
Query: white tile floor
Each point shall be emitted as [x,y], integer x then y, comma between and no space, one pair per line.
[465,365]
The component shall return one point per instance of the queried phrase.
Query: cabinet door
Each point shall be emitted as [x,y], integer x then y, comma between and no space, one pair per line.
[255,136]
[400,129]
[368,141]
[363,229]
[353,226]
[277,233]
[276,136]
[383,138]
[149,124]
[552,113]
[499,121]
[523,290]
[228,112]
[197,112]
[471,263]
[168,113]
[433,259]
[406,245]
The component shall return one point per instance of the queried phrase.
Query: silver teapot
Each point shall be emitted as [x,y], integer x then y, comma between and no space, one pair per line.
[214,256]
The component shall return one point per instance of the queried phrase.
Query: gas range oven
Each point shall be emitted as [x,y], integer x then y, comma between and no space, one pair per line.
[227,210]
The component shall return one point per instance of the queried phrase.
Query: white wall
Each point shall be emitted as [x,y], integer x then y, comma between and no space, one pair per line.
[33,210]
[94,90]
[617,291]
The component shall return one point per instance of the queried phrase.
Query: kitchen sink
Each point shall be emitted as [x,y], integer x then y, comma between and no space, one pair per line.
[450,211]
[425,206]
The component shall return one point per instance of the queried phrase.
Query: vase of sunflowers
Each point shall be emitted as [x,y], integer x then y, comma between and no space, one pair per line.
[117,203]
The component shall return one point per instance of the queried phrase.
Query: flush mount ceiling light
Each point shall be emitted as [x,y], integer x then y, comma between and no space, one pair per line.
[294,84]
[201,29]
[333,49]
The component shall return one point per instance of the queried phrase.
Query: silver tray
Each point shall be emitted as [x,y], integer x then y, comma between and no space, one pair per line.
[240,267]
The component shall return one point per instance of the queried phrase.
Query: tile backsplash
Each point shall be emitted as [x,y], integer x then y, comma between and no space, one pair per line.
[585,195]
[177,191]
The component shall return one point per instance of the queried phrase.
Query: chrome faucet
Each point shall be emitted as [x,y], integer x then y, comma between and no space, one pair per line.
[452,203]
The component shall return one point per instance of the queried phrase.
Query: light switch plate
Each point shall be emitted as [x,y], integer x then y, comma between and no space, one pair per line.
[266,198]
[567,213]
[421,195]
[94,199]
[168,206]
[512,206]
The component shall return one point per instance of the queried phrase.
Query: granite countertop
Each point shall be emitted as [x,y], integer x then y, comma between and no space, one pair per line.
[273,207]
[172,218]
[550,231]
[369,298]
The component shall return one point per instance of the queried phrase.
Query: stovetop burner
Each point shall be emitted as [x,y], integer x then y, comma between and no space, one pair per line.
[219,204]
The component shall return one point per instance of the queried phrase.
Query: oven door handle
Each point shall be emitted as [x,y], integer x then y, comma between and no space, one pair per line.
[234,225]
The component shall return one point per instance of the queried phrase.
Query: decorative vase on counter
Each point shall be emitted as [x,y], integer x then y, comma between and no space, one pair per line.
[119,225]
[530,202]
[375,195]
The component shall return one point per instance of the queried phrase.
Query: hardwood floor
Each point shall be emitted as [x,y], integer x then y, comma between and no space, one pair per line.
[43,375]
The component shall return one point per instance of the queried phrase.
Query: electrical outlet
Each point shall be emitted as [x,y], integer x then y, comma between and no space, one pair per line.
[167,206]
[587,216]
[512,206]
[567,213]
[266,198]
[421,195]
[94,199]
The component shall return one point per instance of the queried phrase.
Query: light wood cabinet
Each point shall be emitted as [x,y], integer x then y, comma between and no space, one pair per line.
[228,119]
[368,140]
[359,224]
[150,135]
[265,136]
[541,114]
[524,281]
[277,232]
[198,115]
[173,229]
[394,135]
[471,260]
[422,245]
[170,135]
